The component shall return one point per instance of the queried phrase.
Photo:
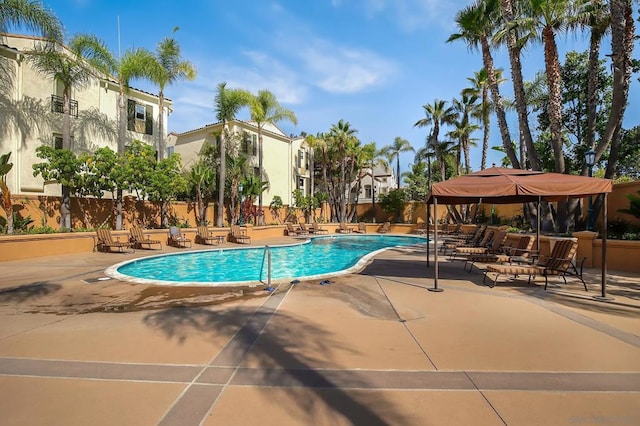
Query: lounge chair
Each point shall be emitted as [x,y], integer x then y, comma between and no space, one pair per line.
[559,262]
[239,235]
[139,239]
[384,228]
[295,231]
[520,253]
[481,238]
[317,229]
[177,239]
[494,246]
[108,243]
[207,237]
[362,228]
[344,229]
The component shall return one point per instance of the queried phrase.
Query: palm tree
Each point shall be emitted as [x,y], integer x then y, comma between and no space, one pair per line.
[167,68]
[393,151]
[514,47]
[134,63]
[437,114]
[477,24]
[341,134]
[73,68]
[32,15]
[5,194]
[227,104]
[264,109]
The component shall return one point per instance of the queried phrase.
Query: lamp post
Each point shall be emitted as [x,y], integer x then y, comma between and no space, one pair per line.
[240,205]
[590,160]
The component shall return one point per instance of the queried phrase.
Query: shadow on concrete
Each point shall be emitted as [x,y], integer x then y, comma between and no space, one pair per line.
[22,293]
[286,350]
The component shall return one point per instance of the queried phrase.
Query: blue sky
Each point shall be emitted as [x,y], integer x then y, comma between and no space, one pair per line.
[373,63]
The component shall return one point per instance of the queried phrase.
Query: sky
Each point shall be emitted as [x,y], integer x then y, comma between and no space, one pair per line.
[373,63]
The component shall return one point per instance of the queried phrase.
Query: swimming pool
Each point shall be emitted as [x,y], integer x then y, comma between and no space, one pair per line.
[313,258]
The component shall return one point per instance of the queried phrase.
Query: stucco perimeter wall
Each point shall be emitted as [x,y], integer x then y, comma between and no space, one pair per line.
[20,247]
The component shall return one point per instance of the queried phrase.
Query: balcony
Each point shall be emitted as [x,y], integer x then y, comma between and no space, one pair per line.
[57,105]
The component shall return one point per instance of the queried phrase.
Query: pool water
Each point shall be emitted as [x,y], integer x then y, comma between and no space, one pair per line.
[316,257]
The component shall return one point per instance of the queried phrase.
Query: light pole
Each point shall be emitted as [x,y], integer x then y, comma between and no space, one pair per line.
[240,205]
[590,160]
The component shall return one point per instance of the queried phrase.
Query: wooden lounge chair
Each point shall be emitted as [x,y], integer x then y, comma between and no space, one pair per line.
[344,229]
[317,229]
[106,242]
[207,237]
[559,262]
[239,235]
[138,239]
[384,228]
[495,246]
[480,239]
[177,239]
[295,230]
[520,253]
[362,228]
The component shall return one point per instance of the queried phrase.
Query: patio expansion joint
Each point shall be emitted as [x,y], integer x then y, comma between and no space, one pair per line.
[193,403]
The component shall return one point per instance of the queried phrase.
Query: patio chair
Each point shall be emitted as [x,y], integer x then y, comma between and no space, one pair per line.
[138,239]
[176,238]
[295,231]
[239,235]
[344,229]
[207,237]
[520,253]
[559,262]
[481,238]
[384,228]
[494,246]
[108,243]
[305,228]
[362,228]
[317,229]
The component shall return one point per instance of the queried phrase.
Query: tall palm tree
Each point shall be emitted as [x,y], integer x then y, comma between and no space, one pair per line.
[341,134]
[515,44]
[73,67]
[264,109]
[477,25]
[134,63]
[167,68]
[480,87]
[32,15]
[437,114]
[462,130]
[393,151]
[227,104]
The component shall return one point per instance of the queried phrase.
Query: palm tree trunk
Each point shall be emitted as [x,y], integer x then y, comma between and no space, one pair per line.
[552,67]
[65,205]
[518,90]
[486,124]
[161,142]
[497,102]
[222,174]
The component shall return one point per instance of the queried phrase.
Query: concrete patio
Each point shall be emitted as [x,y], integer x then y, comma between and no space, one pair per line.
[370,348]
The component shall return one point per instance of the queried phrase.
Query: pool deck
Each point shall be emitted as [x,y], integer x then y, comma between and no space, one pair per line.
[369,348]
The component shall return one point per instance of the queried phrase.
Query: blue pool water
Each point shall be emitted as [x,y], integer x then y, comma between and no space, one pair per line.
[317,257]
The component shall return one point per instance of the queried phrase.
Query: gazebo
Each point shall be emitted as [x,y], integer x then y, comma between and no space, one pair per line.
[498,185]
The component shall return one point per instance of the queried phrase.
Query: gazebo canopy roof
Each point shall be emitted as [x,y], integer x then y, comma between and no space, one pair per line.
[499,185]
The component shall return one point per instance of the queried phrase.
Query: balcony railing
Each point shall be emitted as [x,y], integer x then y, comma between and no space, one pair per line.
[57,105]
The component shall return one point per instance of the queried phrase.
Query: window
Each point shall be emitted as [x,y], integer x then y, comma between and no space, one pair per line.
[249,145]
[139,117]
[170,150]
[300,158]
[57,141]
[367,191]
[301,184]
[256,171]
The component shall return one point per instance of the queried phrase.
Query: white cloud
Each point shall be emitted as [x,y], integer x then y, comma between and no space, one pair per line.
[411,15]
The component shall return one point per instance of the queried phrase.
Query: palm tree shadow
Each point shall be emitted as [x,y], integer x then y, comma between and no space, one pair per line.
[22,293]
[282,351]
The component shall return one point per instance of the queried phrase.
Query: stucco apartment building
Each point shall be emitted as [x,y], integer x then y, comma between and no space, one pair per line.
[31,115]
[285,159]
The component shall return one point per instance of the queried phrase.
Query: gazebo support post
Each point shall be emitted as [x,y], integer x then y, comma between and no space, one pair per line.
[603,279]
[435,250]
